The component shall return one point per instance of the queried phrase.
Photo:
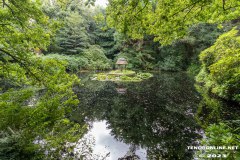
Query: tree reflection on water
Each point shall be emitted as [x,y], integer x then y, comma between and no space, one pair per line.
[156,114]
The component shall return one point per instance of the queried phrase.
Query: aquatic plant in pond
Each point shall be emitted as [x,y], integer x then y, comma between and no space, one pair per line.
[118,75]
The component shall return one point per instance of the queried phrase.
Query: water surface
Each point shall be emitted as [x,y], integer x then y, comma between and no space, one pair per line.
[152,119]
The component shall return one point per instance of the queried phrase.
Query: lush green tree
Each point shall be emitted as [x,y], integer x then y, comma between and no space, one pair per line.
[104,36]
[77,25]
[36,94]
[183,53]
[39,112]
[167,20]
[105,39]
[220,71]
[80,39]
[73,37]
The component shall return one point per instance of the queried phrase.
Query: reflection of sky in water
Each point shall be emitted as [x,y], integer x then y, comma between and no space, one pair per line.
[106,143]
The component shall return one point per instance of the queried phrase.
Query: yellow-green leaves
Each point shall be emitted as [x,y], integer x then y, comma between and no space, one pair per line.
[221,66]
[167,20]
[36,94]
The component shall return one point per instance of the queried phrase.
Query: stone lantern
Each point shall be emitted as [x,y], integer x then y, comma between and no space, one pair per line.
[121,63]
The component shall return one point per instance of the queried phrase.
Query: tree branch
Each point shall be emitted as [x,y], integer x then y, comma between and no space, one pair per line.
[191,5]
[223,6]
[5,4]
[142,9]
[4,24]
[21,64]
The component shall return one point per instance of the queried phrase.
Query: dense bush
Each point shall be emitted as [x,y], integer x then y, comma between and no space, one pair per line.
[73,62]
[220,71]
[91,59]
[221,134]
[96,58]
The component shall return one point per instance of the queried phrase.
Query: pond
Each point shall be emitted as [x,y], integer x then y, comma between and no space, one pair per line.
[152,119]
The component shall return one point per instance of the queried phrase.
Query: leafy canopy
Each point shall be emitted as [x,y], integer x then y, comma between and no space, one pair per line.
[167,20]
[36,94]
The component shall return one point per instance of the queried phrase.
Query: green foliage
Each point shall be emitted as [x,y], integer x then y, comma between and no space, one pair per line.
[183,53]
[76,32]
[91,59]
[74,62]
[167,20]
[144,75]
[96,58]
[139,56]
[35,103]
[73,37]
[121,76]
[130,79]
[199,38]
[82,38]
[193,69]
[145,54]
[203,35]
[105,39]
[221,135]
[33,112]
[171,63]
[104,36]
[220,71]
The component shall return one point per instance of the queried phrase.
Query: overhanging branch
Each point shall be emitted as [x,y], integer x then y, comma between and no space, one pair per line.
[21,64]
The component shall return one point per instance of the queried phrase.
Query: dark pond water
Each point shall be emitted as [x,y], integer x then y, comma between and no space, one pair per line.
[153,119]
